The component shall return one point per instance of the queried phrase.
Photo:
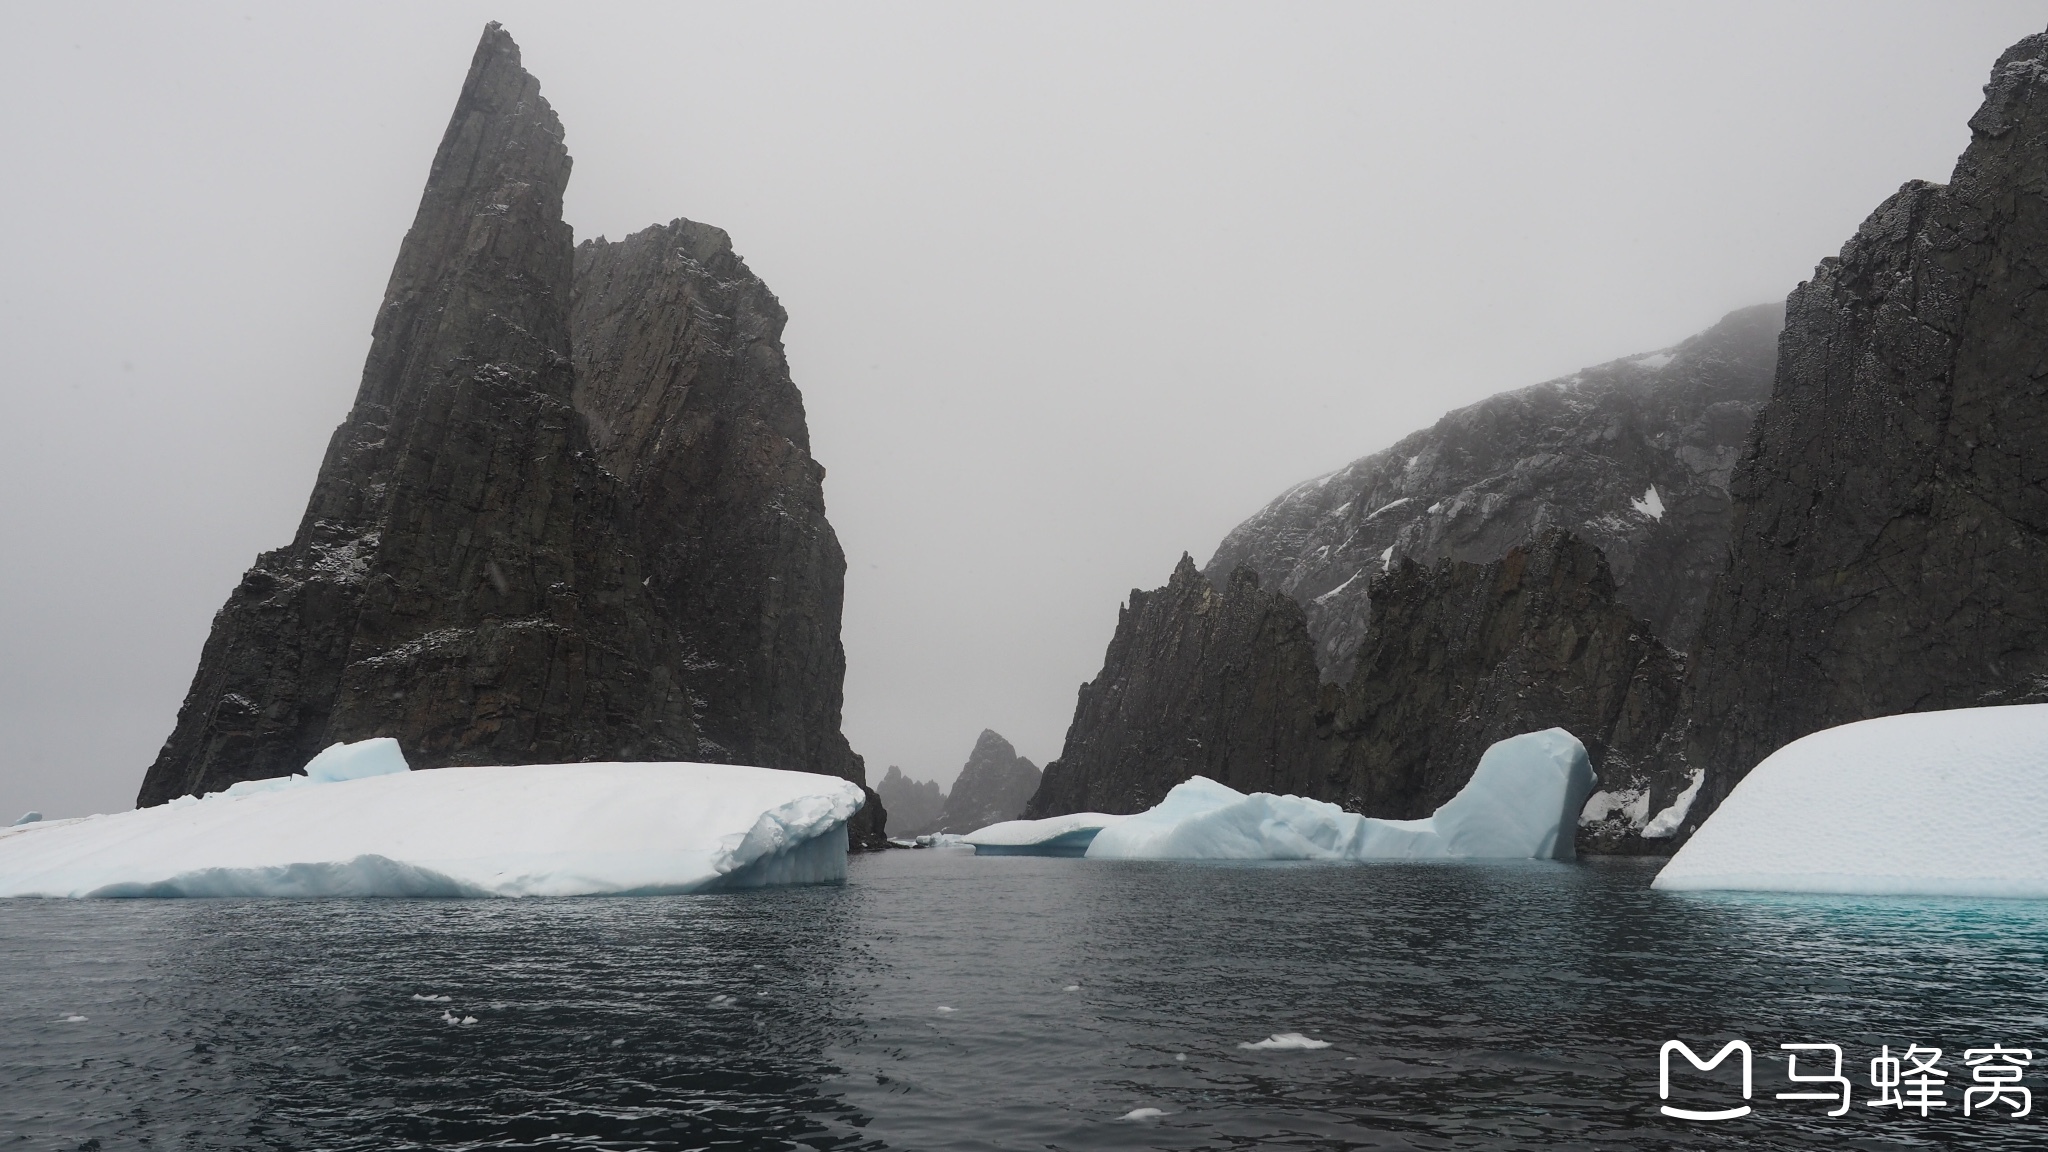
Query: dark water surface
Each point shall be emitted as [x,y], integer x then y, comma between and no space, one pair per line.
[1466,1007]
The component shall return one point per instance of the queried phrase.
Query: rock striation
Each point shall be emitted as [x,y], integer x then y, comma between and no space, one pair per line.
[571,516]
[1890,526]
[681,375]
[1633,456]
[994,785]
[1222,683]
[915,806]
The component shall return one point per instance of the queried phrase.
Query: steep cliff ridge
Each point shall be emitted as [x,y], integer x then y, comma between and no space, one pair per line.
[1633,456]
[915,806]
[1222,683]
[1890,529]
[681,374]
[1197,681]
[995,784]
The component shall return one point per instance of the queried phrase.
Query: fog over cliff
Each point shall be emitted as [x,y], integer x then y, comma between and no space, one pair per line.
[1071,290]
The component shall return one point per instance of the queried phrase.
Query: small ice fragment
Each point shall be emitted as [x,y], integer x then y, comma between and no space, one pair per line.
[943,1008]
[721,998]
[1286,1040]
[448,1017]
[73,1020]
[618,1043]
[1071,988]
[1143,1114]
[430,998]
[467,1020]
[1181,1056]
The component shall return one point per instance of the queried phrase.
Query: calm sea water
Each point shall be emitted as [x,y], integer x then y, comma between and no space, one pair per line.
[944,1001]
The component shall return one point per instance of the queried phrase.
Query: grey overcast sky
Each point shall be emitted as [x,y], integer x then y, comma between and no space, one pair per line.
[1073,287]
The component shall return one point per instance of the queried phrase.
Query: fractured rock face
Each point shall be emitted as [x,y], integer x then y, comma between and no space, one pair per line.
[1463,655]
[680,370]
[1196,682]
[1632,456]
[1223,684]
[994,785]
[466,577]
[1890,535]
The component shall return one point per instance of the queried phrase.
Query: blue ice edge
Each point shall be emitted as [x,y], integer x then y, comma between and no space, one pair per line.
[821,859]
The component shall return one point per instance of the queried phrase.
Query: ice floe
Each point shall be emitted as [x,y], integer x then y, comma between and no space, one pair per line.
[1285,1041]
[1929,804]
[1068,835]
[1522,802]
[358,823]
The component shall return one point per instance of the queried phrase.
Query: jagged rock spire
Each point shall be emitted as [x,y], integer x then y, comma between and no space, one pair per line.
[465,577]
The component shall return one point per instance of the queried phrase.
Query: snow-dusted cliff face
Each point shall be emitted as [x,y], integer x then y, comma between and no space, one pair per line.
[1633,456]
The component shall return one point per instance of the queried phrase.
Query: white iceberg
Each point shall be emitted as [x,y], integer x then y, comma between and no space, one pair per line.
[1522,802]
[1068,835]
[1929,804]
[359,824]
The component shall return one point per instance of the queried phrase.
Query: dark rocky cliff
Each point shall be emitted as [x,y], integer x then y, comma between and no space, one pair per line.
[995,784]
[572,514]
[681,374]
[464,577]
[1223,684]
[915,806]
[1890,533]
[1197,681]
[1462,655]
[1633,456]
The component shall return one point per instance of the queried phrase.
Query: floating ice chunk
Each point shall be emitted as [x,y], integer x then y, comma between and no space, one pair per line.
[468,1020]
[1067,835]
[527,830]
[357,761]
[1523,801]
[943,1008]
[1928,804]
[1140,1114]
[1286,1041]
[1665,823]
[1649,503]
[430,998]
[28,818]
[1071,988]
[618,1043]
[72,1020]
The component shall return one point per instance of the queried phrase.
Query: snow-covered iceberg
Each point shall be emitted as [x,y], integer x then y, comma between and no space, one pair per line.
[1067,835]
[358,823]
[1522,802]
[1929,804]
